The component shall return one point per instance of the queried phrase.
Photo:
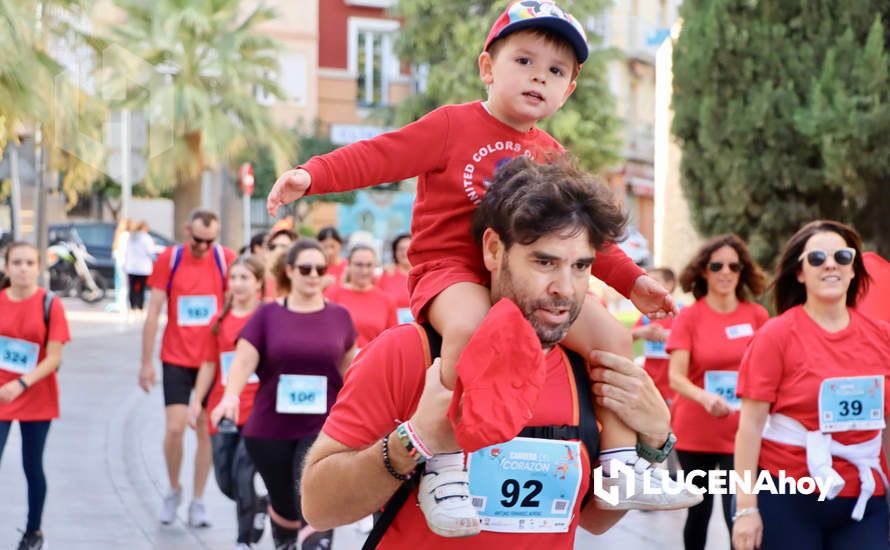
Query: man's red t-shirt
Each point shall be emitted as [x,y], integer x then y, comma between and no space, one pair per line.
[876,301]
[214,346]
[372,310]
[785,366]
[454,152]
[716,342]
[24,321]
[382,389]
[194,277]
[655,364]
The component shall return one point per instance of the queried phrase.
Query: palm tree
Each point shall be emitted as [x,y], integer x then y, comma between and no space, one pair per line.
[208,60]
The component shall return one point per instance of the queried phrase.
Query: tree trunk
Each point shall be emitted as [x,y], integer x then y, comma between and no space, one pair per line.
[187,193]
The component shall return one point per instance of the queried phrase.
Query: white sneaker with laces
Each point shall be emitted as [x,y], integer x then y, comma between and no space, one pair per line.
[444,497]
[169,506]
[662,492]
[198,514]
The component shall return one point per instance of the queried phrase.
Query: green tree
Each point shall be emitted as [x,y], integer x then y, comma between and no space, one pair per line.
[782,109]
[208,58]
[448,37]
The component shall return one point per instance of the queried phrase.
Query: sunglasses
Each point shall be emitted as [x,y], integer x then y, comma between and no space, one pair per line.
[208,242]
[717,267]
[306,269]
[842,256]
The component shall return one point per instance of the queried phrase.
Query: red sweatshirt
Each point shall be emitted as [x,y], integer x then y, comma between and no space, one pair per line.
[453,151]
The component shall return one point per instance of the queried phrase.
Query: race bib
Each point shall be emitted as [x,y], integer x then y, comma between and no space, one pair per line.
[656,350]
[723,383]
[851,403]
[302,394]
[225,365]
[18,356]
[195,311]
[405,316]
[526,485]
[739,331]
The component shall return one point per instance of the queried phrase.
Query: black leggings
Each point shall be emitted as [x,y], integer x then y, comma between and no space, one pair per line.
[33,443]
[137,290]
[234,474]
[801,521]
[695,532]
[280,463]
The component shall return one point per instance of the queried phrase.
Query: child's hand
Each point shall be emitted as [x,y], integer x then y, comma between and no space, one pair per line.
[651,298]
[289,187]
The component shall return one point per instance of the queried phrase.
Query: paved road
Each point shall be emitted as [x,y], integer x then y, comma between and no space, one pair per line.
[106,472]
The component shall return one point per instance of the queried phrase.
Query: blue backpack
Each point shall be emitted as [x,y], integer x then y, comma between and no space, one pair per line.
[218,254]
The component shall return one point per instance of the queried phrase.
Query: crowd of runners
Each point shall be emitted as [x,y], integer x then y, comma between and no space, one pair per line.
[463,394]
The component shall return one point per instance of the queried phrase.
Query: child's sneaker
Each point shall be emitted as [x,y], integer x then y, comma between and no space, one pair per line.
[662,492]
[444,496]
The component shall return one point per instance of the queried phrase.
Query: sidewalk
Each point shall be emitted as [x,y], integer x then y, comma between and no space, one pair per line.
[106,475]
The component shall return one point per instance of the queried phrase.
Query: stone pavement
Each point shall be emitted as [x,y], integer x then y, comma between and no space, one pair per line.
[106,474]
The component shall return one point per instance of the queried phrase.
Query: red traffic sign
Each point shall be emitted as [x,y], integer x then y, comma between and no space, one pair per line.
[245,175]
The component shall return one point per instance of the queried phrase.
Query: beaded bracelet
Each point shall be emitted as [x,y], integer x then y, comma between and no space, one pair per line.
[22,383]
[388,465]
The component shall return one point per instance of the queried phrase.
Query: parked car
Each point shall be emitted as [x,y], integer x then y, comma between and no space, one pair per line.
[636,246]
[97,237]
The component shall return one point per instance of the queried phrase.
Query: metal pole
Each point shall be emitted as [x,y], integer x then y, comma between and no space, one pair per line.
[15,199]
[40,227]
[245,203]
[126,180]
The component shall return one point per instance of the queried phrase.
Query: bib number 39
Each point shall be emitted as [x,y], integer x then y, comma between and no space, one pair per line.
[851,403]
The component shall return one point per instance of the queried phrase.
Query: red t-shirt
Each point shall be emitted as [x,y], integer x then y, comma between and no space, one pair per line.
[382,389]
[24,321]
[372,310]
[214,346]
[194,277]
[336,270]
[876,302]
[785,366]
[716,342]
[655,365]
[395,284]
[453,151]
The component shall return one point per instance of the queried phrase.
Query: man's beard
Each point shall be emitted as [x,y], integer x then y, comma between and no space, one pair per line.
[549,334]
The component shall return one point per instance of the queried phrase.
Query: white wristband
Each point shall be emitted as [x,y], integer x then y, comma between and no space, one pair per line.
[744,512]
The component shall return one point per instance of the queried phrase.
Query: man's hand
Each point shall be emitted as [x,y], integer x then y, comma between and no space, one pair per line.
[715,405]
[194,413]
[228,407]
[289,187]
[147,376]
[10,391]
[430,420]
[627,390]
[652,299]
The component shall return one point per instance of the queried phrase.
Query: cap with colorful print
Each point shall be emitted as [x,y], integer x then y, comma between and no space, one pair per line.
[527,14]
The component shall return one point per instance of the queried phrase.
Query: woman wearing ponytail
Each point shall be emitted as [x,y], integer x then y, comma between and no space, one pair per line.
[299,346]
[232,466]
[30,354]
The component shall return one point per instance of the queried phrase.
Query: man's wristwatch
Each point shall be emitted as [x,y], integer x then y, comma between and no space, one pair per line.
[656,455]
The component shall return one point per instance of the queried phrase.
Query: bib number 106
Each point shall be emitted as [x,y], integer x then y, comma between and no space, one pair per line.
[512,492]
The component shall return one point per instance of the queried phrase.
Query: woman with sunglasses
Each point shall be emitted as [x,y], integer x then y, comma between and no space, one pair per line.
[706,345]
[372,310]
[814,401]
[299,347]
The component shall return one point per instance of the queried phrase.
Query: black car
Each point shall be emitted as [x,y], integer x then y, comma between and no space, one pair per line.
[97,237]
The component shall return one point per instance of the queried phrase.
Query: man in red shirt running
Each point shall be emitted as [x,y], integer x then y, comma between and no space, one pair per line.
[540,227]
[191,279]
